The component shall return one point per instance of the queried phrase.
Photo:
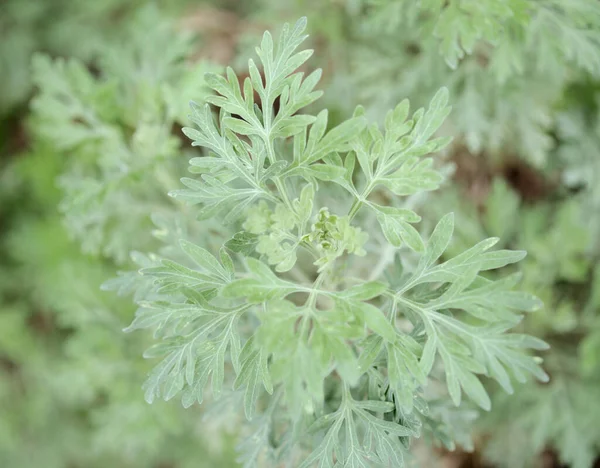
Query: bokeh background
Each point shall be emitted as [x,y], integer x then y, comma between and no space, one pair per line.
[92,98]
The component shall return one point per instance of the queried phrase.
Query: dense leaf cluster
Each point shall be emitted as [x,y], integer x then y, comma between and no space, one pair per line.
[316,344]
[317,283]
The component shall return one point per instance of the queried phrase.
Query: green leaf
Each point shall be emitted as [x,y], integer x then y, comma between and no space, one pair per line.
[402,214]
[192,357]
[291,126]
[439,239]
[381,437]
[377,322]
[413,176]
[364,291]
[433,118]
[304,205]
[397,231]
[240,126]
[172,274]
[368,314]
[165,315]
[372,346]
[254,372]
[336,140]
[204,259]
[375,406]
[243,243]
[264,285]
[322,172]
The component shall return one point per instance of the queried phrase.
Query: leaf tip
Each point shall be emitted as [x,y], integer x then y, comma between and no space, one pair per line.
[302,23]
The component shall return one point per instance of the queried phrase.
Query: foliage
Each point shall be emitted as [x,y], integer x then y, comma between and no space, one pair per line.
[120,126]
[306,290]
[506,63]
[62,27]
[25,29]
[69,377]
[339,350]
[560,268]
[579,133]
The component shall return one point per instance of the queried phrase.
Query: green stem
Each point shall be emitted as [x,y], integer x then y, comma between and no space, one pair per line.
[283,192]
[272,156]
[354,208]
[358,203]
[312,299]
[346,396]
[310,304]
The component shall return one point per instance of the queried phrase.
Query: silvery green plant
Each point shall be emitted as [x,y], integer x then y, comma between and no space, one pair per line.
[115,129]
[69,377]
[506,63]
[336,327]
[562,270]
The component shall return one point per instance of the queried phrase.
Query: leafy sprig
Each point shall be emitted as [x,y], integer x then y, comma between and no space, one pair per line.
[346,355]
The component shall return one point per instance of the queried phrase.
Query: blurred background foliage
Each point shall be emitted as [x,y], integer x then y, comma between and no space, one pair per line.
[92,96]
